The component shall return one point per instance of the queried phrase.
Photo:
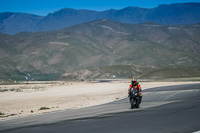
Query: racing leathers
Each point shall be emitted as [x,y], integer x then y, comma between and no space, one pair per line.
[135,85]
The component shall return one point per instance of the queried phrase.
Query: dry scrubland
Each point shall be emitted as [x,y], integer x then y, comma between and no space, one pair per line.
[39,97]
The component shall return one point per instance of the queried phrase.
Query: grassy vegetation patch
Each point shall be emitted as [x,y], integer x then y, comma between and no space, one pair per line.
[3,90]
[15,90]
[44,108]
[178,72]
[2,113]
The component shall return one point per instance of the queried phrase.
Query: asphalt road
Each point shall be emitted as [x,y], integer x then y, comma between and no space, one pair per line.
[173,109]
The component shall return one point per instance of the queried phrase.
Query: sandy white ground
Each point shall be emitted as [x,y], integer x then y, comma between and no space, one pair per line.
[27,99]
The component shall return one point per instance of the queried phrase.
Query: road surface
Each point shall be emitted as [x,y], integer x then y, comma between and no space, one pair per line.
[172,109]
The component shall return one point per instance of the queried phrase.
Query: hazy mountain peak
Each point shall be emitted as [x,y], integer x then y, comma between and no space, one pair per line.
[132,7]
[173,14]
[62,12]
[177,5]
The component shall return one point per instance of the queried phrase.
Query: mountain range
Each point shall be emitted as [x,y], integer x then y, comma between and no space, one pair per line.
[173,14]
[100,49]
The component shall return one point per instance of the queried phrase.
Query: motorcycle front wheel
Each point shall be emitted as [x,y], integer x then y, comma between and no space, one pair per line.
[132,101]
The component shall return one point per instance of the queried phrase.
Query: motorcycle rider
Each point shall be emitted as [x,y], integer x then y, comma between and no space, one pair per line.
[135,85]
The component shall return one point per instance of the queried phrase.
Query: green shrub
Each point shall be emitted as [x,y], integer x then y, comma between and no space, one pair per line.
[2,113]
[3,90]
[44,108]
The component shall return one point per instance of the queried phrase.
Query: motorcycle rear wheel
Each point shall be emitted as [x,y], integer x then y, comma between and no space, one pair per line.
[137,105]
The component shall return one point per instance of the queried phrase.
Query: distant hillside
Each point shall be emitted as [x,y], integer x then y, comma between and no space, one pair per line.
[177,72]
[12,23]
[114,71]
[173,14]
[100,48]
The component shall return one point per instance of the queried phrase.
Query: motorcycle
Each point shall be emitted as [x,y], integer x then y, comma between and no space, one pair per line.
[134,98]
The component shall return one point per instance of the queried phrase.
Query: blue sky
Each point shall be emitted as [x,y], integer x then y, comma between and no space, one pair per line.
[43,7]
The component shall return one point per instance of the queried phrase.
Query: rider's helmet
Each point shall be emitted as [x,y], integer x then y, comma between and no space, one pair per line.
[134,80]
